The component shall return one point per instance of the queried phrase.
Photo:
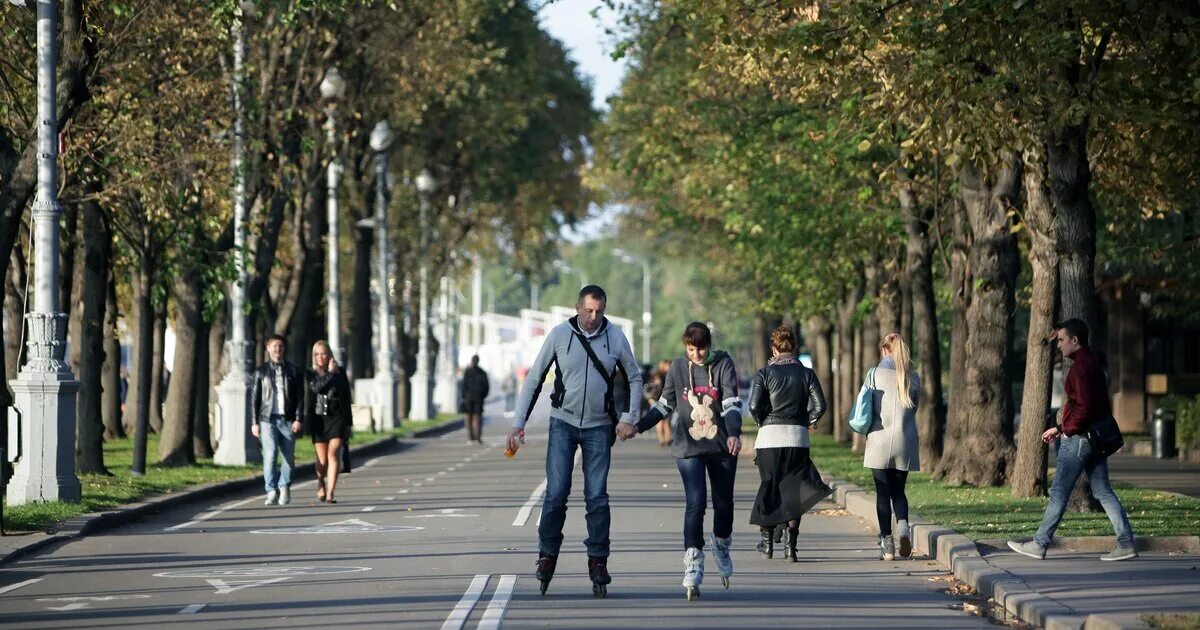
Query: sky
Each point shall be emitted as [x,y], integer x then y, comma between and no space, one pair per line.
[570,22]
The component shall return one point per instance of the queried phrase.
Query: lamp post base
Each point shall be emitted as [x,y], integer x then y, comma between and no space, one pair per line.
[422,399]
[236,446]
[44,411]
[445,391]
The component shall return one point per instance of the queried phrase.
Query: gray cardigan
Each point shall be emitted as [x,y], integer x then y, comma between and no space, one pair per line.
[893,441]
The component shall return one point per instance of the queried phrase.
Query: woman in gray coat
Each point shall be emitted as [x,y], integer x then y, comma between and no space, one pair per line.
[893,446]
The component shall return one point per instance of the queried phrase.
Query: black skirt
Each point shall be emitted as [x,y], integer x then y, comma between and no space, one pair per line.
[790,486]
[325,428]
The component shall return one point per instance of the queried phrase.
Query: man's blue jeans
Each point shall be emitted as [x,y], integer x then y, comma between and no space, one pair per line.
[276,436]
[1075,458]
[721,470]
[560,463]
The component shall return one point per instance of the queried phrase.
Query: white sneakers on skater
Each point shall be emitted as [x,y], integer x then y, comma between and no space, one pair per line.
[693,571]
[720,551]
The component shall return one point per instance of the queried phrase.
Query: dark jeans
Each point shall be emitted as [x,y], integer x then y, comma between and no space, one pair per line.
[889,495]
[1074,459]
[721,471]
[560,462]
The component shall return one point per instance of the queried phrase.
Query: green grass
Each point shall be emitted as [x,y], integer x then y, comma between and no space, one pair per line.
[989,513]
[102,492]
[1173,621]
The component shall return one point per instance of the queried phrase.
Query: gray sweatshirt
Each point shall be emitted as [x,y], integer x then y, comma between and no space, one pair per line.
[578,397]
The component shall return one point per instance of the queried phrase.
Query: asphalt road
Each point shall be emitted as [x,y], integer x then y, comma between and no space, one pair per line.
[443,535]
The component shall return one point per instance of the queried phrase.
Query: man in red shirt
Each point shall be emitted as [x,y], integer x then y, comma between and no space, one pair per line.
[1087,402]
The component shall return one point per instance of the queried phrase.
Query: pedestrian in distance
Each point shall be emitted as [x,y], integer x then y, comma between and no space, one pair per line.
[785,400]
[586,350]
[701,387]
[893,446]
[1087,404]
[276,394]
[474,392]
[652,393]
[327,409]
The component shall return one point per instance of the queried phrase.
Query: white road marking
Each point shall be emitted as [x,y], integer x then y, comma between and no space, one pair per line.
[349,526]
[404,491]
[391,498]
[523,515]
[13,587]
[430,478]
[446,512]
[418,484]
[463,608]
[369,508]
[261,572]
[190,609]
[495,610]
[370,463]
[452,468]
[71,606]
[441,472]
[225,587]
[208,515]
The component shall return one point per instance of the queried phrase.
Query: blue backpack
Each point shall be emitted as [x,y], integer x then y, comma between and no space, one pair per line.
[862,416]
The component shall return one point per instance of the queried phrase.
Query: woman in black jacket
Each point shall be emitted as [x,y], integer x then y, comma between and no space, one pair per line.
[701,387]
[327,409]
[785,400]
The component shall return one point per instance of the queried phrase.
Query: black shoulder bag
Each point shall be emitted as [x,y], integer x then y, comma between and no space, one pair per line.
[610,406]
[1104,436]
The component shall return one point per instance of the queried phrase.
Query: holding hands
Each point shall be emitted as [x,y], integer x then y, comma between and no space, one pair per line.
[626,430]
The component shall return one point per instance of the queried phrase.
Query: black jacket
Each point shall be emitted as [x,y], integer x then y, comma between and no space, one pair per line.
[334,386]
[262,392]
[786,392]
[475,384]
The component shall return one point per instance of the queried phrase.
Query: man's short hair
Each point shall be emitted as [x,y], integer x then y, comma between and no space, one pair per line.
[593,291]
[276,337]
[1075,327]
[697,334]
[475,360]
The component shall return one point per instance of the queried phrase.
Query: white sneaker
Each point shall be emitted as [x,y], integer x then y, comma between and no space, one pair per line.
[285,495]
[272,496]
[904,534]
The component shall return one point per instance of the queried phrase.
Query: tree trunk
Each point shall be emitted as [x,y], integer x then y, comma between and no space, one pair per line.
[890,305]
[15,285]
[927,350]
[820,336]
[201,428]
[69,243]
[360,306]
[858,441]
[140,380]
[960,300]
[133,325]
[176,448]
[216,359]
[847,388]
[158,366]
[983,450]
[110,404]
[1029,473]
[92,280]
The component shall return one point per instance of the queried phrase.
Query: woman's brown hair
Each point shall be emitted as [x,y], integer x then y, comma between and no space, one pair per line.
[783,340]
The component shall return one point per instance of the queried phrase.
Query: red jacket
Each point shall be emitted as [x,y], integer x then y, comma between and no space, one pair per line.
[1087,393]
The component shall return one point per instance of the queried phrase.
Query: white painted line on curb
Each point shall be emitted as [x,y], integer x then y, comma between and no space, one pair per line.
[462,610]
[369,508]
[523,515]
[13,587]
[495,610]
[208,515]
[190,609]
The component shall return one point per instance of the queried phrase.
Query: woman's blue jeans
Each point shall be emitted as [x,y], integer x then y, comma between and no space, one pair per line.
[1074,459]
[721,469]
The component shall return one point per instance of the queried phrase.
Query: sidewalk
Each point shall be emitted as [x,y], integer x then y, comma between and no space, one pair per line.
[1070,588]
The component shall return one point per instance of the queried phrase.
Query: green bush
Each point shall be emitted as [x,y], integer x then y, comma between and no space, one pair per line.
[1187,423]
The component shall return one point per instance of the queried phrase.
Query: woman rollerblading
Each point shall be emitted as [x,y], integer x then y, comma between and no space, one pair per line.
[693,572]
[720,547]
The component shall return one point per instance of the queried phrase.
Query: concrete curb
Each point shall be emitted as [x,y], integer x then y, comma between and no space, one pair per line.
[97,522]
[961,556]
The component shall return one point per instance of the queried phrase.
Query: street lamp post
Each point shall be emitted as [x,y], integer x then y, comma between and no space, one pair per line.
[235,445]
[385,369]
[563,267]
[44,392]
[422,397]
[333,88]
[646,318]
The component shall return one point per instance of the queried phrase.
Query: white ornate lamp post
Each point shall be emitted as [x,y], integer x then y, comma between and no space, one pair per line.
[333,88]
[44,390]
[385,368]
[630,258]
[235,445]
[422,398]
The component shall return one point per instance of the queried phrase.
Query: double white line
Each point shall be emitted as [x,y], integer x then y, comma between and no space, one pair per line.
[495,610]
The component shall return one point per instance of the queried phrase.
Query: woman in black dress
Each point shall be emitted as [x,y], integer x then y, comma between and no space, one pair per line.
[327,409]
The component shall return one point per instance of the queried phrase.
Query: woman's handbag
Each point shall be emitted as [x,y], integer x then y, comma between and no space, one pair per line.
[862,416]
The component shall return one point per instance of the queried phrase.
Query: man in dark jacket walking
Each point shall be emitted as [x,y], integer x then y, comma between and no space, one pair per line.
[276,391]
[1087,402]
[474,393]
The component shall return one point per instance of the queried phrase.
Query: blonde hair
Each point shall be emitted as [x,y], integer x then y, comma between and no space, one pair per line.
[900,356]
[323,344]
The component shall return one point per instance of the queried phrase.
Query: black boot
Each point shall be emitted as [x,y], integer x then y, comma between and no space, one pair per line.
[767,545]
[793,533]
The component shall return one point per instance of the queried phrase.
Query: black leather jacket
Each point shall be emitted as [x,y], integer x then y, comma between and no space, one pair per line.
[262,392]
[786,392]
[334,387]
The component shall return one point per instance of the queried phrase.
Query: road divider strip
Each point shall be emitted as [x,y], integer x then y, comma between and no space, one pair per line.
[523,514]
[13,587]
[499,603]
[463,608]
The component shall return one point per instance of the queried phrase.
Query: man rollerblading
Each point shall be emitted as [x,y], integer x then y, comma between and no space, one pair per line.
[720,549]
[598,573]
[546,564]
[693,572]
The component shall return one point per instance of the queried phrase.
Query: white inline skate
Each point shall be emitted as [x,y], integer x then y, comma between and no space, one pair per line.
[693,572]
[720,550]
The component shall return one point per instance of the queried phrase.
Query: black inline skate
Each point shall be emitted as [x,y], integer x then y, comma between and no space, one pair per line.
[546,564]
[598,572]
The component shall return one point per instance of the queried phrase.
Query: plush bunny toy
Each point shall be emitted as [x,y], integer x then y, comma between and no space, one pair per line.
[703,427]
